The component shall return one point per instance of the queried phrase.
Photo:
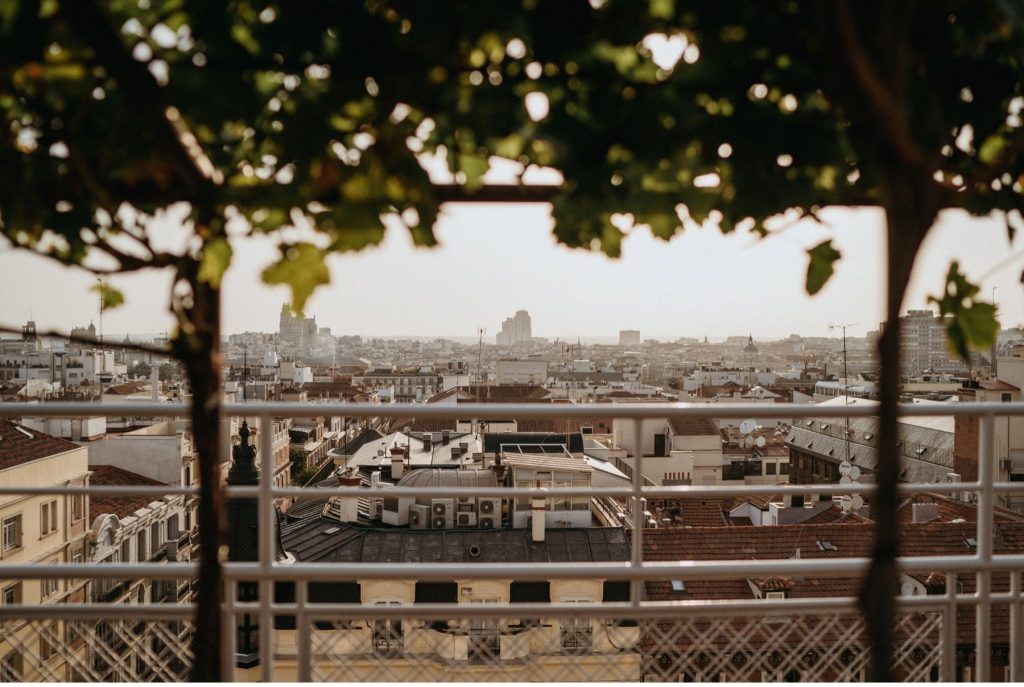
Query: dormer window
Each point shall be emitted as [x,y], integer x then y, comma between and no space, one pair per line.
[775,595]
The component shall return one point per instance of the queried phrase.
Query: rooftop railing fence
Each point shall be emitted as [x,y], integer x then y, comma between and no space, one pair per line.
[817,638]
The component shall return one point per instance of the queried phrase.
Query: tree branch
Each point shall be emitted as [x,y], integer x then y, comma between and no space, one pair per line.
[53,333]
[880,104]
[138,87]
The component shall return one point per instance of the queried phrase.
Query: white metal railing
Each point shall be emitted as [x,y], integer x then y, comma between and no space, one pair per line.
[981,564]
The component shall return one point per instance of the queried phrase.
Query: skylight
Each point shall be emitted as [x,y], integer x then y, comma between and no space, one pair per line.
[826,546]
[678,586]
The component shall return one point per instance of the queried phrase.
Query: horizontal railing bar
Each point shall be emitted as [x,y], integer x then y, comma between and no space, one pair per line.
[705,569]
[103,490]
[492,411]
[646,609]
[659,492]
[99,611]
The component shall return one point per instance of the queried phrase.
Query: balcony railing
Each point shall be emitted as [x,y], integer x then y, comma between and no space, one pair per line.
[971,629]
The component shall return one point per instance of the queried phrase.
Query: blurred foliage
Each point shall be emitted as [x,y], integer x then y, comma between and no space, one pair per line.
[969,322]
[319,114]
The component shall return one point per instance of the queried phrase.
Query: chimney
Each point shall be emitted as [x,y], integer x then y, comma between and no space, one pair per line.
[925,512]
[537,506]
[397,462]
[348,506]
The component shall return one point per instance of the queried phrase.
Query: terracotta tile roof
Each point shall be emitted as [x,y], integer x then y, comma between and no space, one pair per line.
[126,389]
[693,512]
[121,506]
[950,509]
[20,445]
[997,385]
[693,426]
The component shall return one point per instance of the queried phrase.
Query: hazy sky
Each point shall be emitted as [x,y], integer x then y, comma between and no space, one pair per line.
[495,259]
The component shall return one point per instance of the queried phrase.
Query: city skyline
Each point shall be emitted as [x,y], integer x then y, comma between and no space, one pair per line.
[498,259]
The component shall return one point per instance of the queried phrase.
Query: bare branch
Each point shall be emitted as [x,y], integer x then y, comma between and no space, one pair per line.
[140,90]
[881,105]
[53,333]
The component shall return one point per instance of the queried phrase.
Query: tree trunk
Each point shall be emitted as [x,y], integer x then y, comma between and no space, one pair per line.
[910,209]
[199,350]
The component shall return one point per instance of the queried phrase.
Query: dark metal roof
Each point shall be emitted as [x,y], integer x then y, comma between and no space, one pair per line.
[534,441]
[325,540]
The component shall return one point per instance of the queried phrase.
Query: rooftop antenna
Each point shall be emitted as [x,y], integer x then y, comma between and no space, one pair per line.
[480,360]
[99,283]
[846,383]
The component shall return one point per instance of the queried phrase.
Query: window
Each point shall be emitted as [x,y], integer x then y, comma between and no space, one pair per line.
[12,532]
[12,667]
[783,468]
[769,468]
[140,546]
[12,594]
[48,518]
[50,587]
[387,633]
[77,507]
[126,551]
[46,648]
[576,631]
[1007,398]
[154,539]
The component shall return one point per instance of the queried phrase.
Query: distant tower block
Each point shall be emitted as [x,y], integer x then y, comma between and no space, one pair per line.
[629,337]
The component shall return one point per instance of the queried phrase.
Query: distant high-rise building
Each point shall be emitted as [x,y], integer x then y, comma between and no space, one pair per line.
[923,344]
[298,331]
[515,330]
[629,337]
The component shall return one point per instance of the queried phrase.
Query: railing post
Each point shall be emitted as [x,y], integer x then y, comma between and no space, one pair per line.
[303,638]
[1016,628]
[267,537]
[636,557]
[949,631]
[983,641]
[229,634]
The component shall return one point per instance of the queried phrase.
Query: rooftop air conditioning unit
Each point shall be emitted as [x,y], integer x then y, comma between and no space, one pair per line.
[467,500]
[490,507]
[466,519]
[489,522]
[442,514]
[419,517]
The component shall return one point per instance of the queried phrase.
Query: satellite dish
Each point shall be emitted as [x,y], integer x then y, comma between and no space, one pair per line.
[747,426]
[907,589]
[855,472]
[760,441]
[845,502]
[746,442]
[844,468]
[858,501]
[845,479]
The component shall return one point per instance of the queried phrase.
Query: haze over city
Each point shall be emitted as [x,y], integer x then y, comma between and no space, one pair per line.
[495,259]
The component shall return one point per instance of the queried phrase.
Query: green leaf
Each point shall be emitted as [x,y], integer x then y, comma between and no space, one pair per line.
[215,261]
[820,268]
[109,296]
[663,225]
[474,167]
[302,268]
[991,148]
[969,323]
